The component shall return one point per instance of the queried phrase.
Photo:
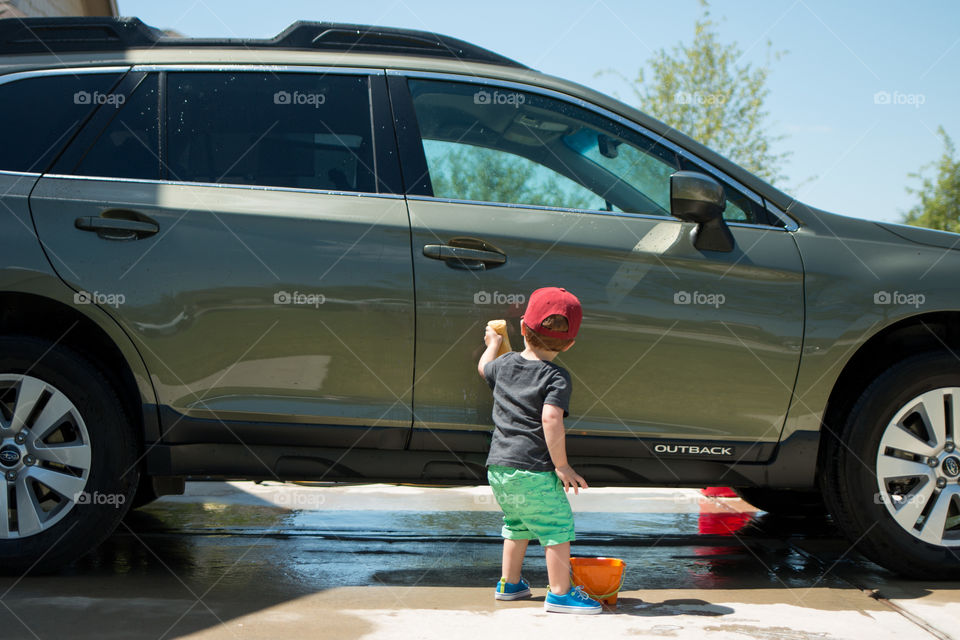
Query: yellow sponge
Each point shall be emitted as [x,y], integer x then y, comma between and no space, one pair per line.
[500,326]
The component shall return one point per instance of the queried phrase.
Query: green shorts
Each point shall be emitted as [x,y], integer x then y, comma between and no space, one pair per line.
[534,505]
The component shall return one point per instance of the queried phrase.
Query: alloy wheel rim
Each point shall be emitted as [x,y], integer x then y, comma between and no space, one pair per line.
[45,456]
[918,467]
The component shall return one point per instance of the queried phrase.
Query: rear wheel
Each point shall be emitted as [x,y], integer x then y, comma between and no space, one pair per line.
[892,478]
[67,456]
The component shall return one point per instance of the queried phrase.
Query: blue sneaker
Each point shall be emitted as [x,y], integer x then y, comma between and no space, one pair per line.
[574,601]
[512,590]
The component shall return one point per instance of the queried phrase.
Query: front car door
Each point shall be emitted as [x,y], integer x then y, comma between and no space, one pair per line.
[525,189]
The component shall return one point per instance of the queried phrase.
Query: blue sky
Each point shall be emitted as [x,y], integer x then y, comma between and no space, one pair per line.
[839,55]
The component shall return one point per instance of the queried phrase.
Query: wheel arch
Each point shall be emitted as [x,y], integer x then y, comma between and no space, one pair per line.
[101,341]
[935,331]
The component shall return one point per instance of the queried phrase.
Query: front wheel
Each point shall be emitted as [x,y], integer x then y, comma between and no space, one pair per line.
[67,456]
[892,478]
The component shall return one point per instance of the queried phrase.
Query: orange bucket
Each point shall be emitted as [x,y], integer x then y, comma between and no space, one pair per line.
[601,578]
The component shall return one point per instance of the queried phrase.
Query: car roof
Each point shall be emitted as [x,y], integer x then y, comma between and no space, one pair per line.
[99,34]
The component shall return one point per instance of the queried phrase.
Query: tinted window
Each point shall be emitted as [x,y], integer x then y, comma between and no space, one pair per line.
[496,145]
[648,168]
[40,115]
[467,172]
[129,146]
[484,143]
[289,130]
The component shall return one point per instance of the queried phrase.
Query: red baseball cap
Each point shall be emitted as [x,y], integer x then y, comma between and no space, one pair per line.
[549,301]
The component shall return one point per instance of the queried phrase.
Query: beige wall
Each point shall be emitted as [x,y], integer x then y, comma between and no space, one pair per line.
[57,8]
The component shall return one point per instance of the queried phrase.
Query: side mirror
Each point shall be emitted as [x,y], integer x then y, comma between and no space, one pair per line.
[696,197]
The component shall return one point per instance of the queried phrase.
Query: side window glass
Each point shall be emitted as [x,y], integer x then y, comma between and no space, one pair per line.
[467,172]
[129,146]
[41,114]
[738,210]
[495,145]
[310,131]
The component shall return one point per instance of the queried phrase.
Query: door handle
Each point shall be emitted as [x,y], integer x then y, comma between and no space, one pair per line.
[118,224]
[464,257]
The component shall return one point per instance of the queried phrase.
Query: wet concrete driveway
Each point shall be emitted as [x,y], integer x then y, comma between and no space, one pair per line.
[271,560]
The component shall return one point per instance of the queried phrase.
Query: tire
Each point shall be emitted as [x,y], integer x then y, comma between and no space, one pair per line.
[784,503]
[870,486]
[93,475]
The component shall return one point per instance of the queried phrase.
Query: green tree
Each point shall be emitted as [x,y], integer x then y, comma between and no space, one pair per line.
[701,89]
[474,173]
[939,206]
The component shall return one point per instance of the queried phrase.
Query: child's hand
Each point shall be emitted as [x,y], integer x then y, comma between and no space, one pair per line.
[571,478]
[492,338]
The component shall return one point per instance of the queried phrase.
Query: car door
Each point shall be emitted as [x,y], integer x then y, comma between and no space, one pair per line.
[523,188]
[243,226]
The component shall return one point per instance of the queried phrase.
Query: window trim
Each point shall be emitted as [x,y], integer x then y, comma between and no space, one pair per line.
[262,68]
[599,212]
[28,174]
[788,223]
[61,71]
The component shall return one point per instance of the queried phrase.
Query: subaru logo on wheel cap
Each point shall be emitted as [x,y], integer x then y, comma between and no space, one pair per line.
[951,467]
[9,455]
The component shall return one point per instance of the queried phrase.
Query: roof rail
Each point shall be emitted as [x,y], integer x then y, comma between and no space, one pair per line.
[56,35]
[64,35]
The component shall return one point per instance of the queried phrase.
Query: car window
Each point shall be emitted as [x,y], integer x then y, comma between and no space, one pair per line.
[491,144]
[468,172]
[739,207]
[42,114]
[129,146]
[488,144]
[310,131]
[645,166]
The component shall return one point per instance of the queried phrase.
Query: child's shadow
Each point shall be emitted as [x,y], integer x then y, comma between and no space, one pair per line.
[679,607]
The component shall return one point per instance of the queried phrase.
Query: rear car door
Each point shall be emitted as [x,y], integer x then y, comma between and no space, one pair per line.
[243,225]
[521,188]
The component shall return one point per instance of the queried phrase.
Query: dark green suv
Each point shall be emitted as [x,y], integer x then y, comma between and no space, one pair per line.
[275,259]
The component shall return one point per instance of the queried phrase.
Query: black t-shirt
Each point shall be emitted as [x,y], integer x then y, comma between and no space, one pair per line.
[520,389]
